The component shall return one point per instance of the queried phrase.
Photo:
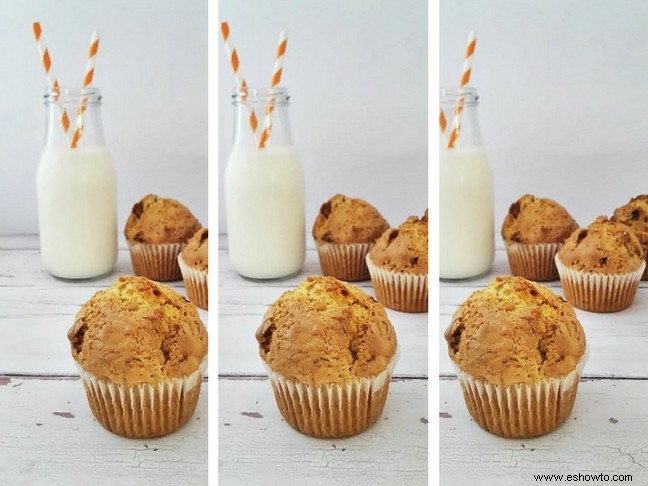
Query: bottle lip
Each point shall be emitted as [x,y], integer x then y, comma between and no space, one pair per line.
[91,95]
[278,95]
[451,95]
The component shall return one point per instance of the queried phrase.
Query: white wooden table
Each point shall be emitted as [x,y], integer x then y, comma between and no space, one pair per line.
[48,435]
[256,446]
[607,432]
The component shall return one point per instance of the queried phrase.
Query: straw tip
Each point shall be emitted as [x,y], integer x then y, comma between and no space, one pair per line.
[224,28]
[36,27]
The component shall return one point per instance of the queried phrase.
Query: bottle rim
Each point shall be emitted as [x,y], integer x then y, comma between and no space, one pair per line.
[451,95]
[91,95]
[277,96]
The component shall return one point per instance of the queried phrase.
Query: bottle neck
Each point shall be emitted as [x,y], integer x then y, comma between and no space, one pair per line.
[267,111]
[459,106]
[73,118]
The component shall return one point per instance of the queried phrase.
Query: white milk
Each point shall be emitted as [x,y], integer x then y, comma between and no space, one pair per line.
[466,228]
[77,212]
[264,202]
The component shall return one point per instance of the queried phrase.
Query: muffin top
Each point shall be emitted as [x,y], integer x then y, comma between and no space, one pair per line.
[138,331]
[605,246]
[533,220]
[194,253]
[326,331]
[635,215]
[156,220]
[515,332]
[345,220]
[403,249]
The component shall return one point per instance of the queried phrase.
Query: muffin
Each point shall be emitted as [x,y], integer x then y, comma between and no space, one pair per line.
[330,351]
[533,231]
[519,351]
[194,267]
[600,266]
[398,265]
[344,231]
[635,215]
[141,351]
[156,232]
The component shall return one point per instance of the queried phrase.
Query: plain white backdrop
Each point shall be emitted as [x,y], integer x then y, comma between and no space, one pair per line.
[564,106]
[357,76]
[152,71]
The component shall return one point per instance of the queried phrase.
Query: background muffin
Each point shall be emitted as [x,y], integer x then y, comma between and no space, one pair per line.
[398,265]
[533,232]
[140,349]
[635,215]
[519,351]
[156,232]
[600,266]
[344,231]
[329,350]
[194,265]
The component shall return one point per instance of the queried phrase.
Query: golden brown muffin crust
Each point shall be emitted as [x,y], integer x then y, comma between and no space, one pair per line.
[515,332]
[324,332]
[403,249]
[195,252]
[635,215]
[533,220]
[158,220]
[138,331]
[345,220]
[605,246]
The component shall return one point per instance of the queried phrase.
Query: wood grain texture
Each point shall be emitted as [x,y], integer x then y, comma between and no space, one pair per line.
[256,446]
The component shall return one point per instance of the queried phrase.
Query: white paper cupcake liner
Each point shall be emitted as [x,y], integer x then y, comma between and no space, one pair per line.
[521,411]
[332,411]
[344,261]
[597,292]
[533,261]
[143,411]
[157,262]
[196,284]
[406,292]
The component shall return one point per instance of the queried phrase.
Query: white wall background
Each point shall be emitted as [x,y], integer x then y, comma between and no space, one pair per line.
[564,104]
[152,71]
[357,75]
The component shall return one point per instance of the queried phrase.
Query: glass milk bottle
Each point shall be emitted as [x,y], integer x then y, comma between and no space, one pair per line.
[76,190]
[264,190]
[466,227]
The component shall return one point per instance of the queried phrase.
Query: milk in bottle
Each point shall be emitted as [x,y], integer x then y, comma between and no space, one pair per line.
[76,192]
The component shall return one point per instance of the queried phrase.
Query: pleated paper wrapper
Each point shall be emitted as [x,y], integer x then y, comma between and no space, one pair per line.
[156,261]
[401,291]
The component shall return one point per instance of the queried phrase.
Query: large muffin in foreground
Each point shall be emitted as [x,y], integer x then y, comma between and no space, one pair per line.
[330,350]
[156,231]
[141,351]
[635,215]
[533,231]
[344,231]
[519,351]
[398,265]
[600,266]
[194,265]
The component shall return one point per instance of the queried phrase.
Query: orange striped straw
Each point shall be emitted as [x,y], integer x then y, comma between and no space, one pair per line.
[238,76]
[51,79]
[463,82]
[276,79]
[87,81]
[443,123]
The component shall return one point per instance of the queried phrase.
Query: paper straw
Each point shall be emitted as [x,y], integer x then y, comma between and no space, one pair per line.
[463,82]
[87,81]
[238,76]
[443,124]
[51,79]
[276,79]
